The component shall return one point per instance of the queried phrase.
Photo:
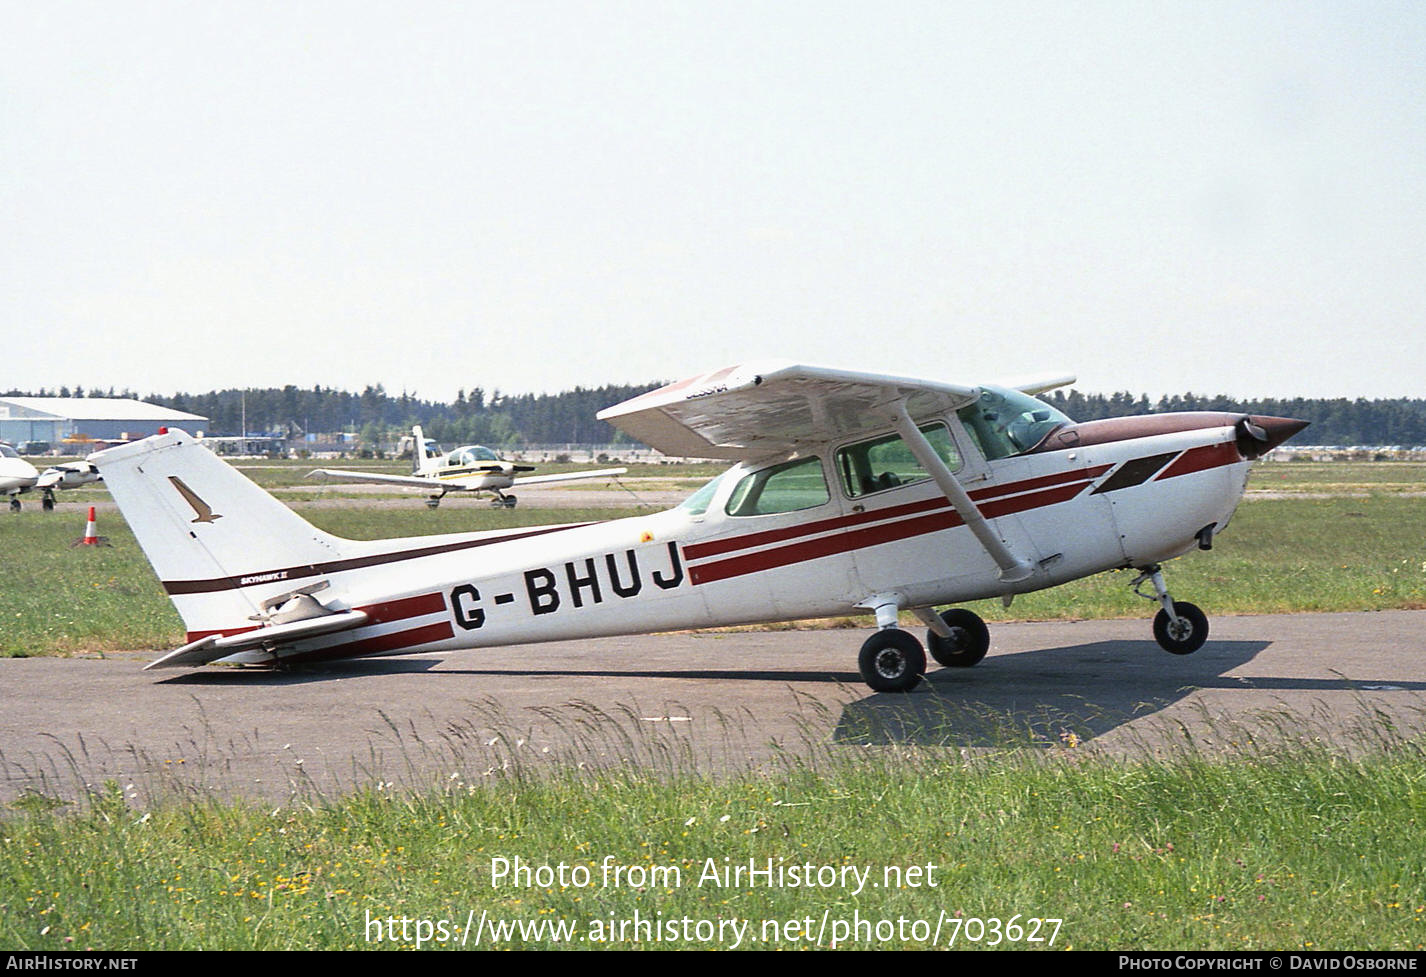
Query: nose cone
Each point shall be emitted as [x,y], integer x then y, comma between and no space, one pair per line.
[1258,434]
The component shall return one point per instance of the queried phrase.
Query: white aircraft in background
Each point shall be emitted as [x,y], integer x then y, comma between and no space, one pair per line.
[850,492]
[16,475]
[471,468]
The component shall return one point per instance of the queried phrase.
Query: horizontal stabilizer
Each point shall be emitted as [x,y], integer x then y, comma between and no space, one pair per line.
[215,646]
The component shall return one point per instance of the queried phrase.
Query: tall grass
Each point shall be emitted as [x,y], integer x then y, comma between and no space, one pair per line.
[1296,844]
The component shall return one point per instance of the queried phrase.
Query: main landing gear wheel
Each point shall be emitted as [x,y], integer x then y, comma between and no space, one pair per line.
[968,643]
[1185,635]
[892,660]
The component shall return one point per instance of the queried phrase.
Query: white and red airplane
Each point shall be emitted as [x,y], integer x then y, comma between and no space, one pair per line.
[469,468]
[851,492]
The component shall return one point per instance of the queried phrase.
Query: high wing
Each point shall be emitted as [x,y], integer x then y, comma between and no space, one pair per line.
[759,409]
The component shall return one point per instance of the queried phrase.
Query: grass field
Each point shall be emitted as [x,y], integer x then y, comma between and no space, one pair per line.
[1293,848]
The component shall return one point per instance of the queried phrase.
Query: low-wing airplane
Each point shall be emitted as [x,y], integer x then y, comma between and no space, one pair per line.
[470,468]
[16,475]
[849,492]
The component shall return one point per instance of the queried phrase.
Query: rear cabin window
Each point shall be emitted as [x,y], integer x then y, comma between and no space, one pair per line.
[787,487]
[873,466]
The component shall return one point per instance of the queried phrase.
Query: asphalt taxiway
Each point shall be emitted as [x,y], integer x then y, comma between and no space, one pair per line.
[717,701]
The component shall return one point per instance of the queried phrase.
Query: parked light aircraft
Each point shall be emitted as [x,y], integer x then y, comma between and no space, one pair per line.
[849,492]
[470,468]
[16,475]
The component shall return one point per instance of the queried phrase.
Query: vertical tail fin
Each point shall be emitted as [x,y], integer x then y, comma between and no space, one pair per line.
[421,459]
[209,532]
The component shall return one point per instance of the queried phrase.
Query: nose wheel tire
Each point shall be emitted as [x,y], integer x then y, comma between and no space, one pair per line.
[892,660]
[968,643]
[1185,635]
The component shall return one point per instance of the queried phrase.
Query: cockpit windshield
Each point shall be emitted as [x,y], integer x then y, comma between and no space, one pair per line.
[8,452]
[1007,422]
[697,503]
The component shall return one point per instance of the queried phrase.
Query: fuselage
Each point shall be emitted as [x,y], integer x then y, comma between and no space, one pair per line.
[798,536]
[16,474]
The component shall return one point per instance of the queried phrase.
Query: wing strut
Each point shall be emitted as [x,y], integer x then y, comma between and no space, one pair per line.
[1012,568]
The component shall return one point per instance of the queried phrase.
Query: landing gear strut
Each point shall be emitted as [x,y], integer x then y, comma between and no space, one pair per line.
[1179,627]
[966,643]
[892,660]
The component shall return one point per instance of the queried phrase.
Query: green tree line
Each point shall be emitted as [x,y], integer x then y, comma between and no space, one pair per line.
[478,416]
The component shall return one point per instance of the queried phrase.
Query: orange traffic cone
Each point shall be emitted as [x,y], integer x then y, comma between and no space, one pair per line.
[91,535]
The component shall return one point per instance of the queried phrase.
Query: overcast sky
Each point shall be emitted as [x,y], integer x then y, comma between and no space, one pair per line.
[529,196]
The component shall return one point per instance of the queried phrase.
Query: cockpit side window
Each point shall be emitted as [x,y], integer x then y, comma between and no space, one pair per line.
[1007,422]
[792,485]
[697,503]
[887,462]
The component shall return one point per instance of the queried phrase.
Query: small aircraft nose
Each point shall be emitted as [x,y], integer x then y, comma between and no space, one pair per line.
[1258,434]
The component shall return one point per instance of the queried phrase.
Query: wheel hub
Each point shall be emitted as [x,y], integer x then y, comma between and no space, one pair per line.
[890,663]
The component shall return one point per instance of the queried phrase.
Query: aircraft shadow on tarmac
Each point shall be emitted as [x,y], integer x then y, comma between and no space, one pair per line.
[1027,698]
[1036,698]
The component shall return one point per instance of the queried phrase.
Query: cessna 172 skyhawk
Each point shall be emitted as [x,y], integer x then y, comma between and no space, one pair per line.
[850,492]
[470,468]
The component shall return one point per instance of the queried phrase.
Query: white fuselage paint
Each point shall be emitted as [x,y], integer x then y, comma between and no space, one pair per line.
[675,570]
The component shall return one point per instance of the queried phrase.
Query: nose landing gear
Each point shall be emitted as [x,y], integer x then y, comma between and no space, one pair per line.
[1179,627]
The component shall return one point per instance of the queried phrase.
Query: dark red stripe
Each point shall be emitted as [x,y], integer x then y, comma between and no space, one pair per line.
[383,612]
[381,644]
[717,547]
[1201,459]
[1026,485]
[872,536]
[215,584]
[399,610]
[825,546]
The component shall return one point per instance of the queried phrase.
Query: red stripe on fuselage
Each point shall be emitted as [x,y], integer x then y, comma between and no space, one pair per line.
[380,613]
[858,539]
[381,644]
[1201,459]
[717,547]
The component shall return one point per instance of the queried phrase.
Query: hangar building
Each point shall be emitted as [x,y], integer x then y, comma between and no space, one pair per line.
[53,419]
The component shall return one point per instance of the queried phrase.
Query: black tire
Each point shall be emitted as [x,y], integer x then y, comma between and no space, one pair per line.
[1185,637]
[968,643]
[892,660]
